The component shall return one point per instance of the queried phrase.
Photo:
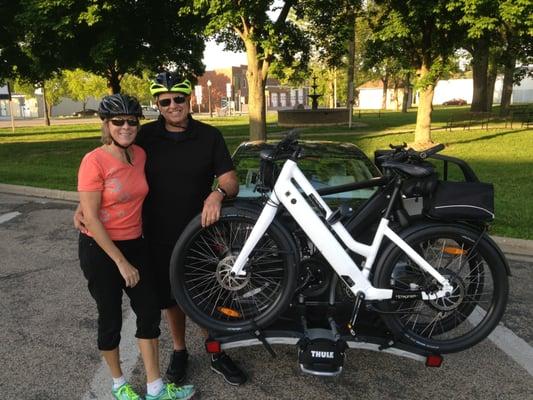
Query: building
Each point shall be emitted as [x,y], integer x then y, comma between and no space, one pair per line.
[227,91]
[370,93]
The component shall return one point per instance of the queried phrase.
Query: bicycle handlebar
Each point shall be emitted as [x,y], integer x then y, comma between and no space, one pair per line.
[401,154]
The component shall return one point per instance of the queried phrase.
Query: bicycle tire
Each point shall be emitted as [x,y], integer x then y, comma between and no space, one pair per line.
[473,309]
[202,286]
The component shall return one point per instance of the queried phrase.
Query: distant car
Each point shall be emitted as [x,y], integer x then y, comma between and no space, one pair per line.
[150,112]
[88,112]
[324,163]
[454,102]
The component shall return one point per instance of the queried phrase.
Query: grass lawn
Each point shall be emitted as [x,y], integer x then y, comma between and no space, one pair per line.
[49,156]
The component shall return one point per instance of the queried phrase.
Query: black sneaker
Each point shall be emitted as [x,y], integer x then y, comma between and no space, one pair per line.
[222,364]
[177,368]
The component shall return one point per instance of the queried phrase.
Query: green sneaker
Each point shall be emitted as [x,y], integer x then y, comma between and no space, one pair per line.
[125,392]
[173,392]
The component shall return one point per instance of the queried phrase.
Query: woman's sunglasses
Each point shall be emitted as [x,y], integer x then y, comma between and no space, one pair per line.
[121,122]
[177,100]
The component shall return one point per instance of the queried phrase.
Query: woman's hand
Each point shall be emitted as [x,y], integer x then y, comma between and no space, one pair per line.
[129,273]
[78,220]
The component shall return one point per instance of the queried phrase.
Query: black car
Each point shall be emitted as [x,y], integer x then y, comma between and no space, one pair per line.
[88,112]
[324,163]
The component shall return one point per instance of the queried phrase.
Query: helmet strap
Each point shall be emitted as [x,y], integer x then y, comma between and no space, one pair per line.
[125,148]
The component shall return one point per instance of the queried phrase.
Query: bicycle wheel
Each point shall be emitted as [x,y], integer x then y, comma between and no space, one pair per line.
[201,281]
[476,304]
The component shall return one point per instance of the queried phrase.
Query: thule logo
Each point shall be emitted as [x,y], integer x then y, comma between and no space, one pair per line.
[322,354]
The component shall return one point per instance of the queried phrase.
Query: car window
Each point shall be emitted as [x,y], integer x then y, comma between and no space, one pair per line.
[325,166]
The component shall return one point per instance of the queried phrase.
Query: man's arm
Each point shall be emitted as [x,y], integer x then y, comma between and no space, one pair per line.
[213,203]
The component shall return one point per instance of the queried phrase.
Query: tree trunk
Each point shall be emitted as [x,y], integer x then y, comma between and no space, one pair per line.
[480,64]
[46,107]
[507,89]
[406,92]
[491,83]
[351,70]
[396,102]
[385,81]
[113,81]
[423,115]
[256,74]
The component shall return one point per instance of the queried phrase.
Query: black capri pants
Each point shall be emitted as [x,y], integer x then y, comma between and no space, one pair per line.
[106,286]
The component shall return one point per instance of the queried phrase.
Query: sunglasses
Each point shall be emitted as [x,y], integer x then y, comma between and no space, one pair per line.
[177,100]
[121,122]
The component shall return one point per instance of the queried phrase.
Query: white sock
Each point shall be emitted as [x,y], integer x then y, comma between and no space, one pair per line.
[118,382]
[155,387]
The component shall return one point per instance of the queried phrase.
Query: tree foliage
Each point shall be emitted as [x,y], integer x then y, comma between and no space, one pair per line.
[127,36]
[81,85]
[247,25]
[427,34]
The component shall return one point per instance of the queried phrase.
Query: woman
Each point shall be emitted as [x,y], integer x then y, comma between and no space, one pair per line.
[112,187]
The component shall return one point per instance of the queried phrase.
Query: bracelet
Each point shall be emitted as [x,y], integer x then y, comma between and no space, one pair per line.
[221,191]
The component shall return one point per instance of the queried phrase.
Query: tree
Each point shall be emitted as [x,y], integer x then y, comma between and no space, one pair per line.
[336,47]
[137,86]
[427,31]
[516,33]
[496,34]
[49,46]
[9,37]
[109,39]
[127,36]
[81,85]
[241,24]
[52,91]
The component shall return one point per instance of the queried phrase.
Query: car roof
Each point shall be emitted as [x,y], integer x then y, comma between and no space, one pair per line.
[311,147]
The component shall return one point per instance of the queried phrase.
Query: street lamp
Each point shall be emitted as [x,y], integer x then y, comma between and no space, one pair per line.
[209,94]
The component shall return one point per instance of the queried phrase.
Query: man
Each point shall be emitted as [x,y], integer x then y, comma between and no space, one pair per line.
[183,156]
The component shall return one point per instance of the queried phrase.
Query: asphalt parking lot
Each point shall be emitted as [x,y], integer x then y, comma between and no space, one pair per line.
[48,351]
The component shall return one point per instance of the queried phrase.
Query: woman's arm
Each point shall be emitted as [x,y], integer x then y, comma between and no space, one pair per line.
[90,207]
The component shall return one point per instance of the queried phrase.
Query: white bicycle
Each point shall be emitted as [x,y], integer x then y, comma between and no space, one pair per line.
[438,285]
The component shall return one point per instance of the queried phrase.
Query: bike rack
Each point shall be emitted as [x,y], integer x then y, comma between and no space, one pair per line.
[291,330]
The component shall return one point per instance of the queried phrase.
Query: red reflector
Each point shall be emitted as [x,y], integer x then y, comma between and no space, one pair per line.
[434,360]
[212,346]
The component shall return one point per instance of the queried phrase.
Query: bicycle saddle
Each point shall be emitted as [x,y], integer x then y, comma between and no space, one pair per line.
[417,171]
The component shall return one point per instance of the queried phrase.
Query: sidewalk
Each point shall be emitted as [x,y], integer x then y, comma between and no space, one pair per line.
[514,249]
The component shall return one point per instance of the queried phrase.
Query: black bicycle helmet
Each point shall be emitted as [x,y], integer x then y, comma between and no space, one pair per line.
[119,104]
[166,82]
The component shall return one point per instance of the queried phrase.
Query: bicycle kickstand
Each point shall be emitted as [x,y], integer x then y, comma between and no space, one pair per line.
[357,305]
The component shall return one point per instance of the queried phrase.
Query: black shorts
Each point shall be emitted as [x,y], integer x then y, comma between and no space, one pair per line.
[159,255]
[106,286]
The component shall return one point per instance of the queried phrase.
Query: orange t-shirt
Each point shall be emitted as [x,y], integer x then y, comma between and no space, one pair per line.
[123,188]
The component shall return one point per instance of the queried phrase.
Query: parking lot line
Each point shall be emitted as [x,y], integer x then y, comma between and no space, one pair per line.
[515,347]
[8,216]
[101,384]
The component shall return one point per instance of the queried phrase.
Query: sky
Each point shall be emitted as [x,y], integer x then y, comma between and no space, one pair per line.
[216,57]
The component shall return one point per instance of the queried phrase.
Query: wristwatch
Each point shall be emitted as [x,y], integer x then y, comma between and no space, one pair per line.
[221,191]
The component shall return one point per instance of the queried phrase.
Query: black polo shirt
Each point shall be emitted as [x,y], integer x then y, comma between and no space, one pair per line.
[180,169]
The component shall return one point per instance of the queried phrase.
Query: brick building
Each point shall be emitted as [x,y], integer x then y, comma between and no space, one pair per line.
[229,88]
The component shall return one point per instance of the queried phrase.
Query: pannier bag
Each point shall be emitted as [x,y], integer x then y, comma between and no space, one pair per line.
[473,201]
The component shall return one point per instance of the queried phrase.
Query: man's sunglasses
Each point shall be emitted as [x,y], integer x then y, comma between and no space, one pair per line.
[177,100]
[121,122]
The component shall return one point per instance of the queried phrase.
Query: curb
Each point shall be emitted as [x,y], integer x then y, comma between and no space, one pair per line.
[514,249]
[39,192]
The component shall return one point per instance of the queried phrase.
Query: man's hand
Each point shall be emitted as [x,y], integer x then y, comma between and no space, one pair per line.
[211,210]
[78,220]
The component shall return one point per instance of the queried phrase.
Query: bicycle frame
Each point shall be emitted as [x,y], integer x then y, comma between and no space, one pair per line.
[292,189]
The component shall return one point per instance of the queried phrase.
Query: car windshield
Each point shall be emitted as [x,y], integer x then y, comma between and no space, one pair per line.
[325,164]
